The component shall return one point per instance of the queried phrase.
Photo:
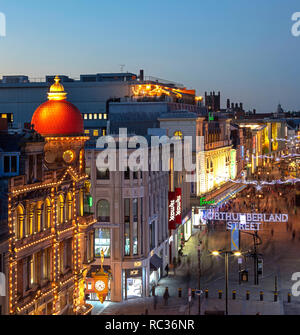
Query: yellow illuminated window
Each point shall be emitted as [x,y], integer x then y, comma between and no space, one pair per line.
[86,131]
[4,116]
[178,133]
[90,116]
[104,116]
[103,132]
[85,116]
[100,116]
[96,133]
[95,116]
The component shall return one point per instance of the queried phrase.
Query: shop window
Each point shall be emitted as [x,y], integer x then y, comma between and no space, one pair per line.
[95,132]
[103,211]
[102,242]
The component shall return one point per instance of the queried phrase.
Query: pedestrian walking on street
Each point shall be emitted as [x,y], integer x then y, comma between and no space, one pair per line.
[166,296]
[153,291]
[167,269]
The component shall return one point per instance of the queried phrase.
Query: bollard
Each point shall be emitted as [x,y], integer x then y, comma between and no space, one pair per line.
[261,296]
[206,293]
[275,296]
[179,292]
[247,295]
[289,297]
[233,294]
[193,293]
[220,294]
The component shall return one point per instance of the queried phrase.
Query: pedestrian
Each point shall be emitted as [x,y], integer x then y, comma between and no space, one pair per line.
[153,291]
[294,235]
[166,296]
[167,269]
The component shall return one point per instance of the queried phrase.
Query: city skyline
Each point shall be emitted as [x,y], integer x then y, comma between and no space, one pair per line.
[248,56]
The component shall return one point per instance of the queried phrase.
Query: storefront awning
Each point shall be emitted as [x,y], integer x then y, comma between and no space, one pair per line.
[155,262]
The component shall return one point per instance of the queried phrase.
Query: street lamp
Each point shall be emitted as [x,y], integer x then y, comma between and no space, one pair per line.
[226,253]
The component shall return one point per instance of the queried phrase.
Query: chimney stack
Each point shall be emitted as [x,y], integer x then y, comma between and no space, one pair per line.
[141,75]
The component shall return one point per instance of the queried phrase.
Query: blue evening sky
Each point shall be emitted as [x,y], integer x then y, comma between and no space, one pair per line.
[244,48]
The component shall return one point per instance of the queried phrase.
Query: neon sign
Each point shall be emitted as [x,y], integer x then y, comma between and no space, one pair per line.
[204,202]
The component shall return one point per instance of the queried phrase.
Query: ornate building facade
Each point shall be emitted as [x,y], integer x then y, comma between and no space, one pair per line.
[50,241]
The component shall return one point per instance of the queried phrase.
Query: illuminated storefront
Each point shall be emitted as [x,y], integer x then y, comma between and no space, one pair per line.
[102,242]
[132,283]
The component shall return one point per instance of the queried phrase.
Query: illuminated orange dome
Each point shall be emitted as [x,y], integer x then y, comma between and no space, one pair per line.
[57,116]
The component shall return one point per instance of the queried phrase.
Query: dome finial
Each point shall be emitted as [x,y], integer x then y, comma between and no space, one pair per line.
[57,91]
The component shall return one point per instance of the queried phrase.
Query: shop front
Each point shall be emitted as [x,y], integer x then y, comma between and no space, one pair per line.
[187,227]
[156,270]
[132,283]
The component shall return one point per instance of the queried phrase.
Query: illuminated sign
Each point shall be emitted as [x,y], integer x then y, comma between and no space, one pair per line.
[204,202]
[178,205]
[172,199]
[245,221]
[136,264]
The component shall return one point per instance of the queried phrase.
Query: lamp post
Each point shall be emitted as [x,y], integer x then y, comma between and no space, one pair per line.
[226,253]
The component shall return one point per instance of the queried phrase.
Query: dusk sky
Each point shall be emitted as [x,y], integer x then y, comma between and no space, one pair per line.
[242,48]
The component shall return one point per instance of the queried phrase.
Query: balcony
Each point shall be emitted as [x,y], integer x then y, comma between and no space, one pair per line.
[86,219]
[33,239]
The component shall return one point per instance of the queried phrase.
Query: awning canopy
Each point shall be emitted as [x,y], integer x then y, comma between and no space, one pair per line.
[155,262]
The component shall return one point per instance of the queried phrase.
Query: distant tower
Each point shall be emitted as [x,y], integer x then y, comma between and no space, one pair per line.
[213,101]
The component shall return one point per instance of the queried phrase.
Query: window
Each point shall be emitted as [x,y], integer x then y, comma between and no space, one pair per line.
[100,116]
[6,164]
[103,174]
[127,174]
[95,132]
[178,134]
[104,116]
[85,116]
[135,226]
[20,222]
[102,242]
[60,209]
[127,227]
[103,211]
[152,235]
[47,213]
[86,131]
[90,116]
[69,207]
[103,132]
[95,116]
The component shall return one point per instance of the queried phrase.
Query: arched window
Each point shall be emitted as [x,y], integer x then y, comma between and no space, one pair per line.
[47,213]
[38,222]
[30,218]
[60,209]
[69,207]
[103,211]
[20,222]
[178,134]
